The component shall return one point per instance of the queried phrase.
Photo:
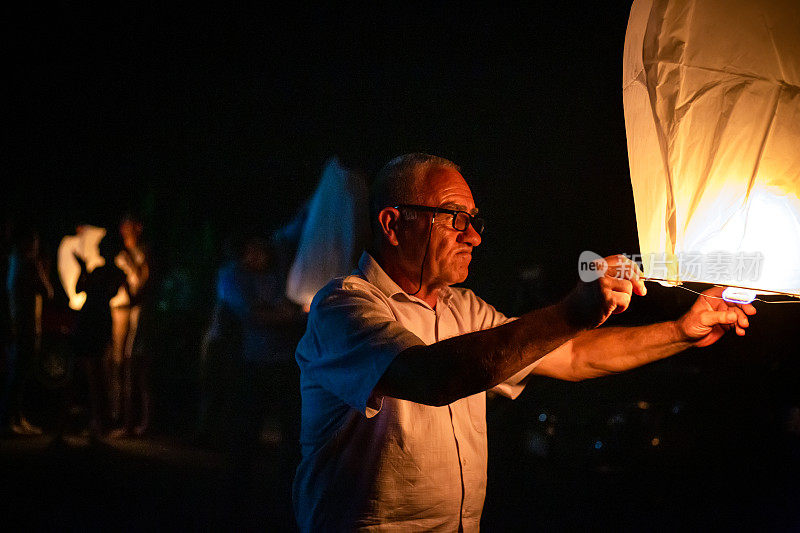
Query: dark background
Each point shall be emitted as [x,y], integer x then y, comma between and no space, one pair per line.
[213,120]
[224,116]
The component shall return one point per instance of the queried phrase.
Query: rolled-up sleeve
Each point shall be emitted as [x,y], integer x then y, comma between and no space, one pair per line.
[351,339]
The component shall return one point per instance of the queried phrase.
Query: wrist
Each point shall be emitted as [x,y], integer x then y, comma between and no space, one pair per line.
[576,314]
[679,334]
[582,308]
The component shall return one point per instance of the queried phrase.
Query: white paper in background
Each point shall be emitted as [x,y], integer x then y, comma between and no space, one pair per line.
[711,91]
[85,244]
[334,233]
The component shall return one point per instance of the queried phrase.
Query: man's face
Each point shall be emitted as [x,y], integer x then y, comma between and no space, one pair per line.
[450,250]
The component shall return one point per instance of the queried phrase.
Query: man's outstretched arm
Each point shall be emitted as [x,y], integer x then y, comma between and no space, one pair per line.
[445,371]
[605,351]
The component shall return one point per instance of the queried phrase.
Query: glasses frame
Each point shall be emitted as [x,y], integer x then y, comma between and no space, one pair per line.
[453,212]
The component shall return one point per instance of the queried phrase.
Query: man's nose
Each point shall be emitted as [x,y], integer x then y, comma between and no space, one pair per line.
[470,236]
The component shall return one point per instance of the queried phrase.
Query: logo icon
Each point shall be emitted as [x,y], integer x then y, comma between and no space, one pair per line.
[591,266]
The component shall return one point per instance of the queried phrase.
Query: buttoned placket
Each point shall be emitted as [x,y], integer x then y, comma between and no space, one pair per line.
[437,312]
[444,304]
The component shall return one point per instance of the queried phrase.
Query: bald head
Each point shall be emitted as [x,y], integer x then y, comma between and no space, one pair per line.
[401,181]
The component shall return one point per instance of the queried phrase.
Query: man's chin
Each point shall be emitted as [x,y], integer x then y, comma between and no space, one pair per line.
[463,269]
[460,276]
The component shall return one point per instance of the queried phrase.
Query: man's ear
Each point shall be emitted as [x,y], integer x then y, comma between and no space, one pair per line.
[388,219]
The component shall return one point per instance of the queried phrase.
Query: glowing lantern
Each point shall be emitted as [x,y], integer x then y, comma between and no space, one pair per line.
[711,91]
[334,233]
[84,244]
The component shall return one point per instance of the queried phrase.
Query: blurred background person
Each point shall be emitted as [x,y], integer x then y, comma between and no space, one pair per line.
[27,285]
[266,400]
[6,244]
[129,368]
[92,334]
[220,355]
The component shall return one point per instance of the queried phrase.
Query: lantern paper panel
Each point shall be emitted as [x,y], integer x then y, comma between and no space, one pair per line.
[334,233]
[711,92]
[86,245]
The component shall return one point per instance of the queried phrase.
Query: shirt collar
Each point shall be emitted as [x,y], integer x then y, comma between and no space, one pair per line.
[374,273]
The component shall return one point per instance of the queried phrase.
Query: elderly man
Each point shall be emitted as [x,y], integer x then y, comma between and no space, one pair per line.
[395,363]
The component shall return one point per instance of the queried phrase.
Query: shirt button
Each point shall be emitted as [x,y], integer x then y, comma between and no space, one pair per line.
[464,462]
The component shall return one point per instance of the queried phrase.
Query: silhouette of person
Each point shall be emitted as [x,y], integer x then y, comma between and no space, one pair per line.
[92,334]
[130,362]
[220,354]
[267,385]
[6,243]
[28,283]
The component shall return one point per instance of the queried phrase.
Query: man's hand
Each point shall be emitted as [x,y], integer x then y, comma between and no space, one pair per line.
[591,303]
[711,316]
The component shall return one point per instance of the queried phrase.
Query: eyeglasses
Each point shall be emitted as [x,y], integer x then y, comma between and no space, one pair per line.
[461,219]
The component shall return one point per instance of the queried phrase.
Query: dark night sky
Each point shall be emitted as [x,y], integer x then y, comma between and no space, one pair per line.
[224,116]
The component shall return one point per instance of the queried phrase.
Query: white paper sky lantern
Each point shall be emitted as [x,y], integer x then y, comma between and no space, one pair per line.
[334,232]
[711,91]
[84,244]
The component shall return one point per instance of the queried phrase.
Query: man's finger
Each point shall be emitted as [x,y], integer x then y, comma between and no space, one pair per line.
[639,288]
[621,300]
[622,267]
[741,318]
[712,318]
[714,292]
[749,309]
[721,305]
[617,285]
